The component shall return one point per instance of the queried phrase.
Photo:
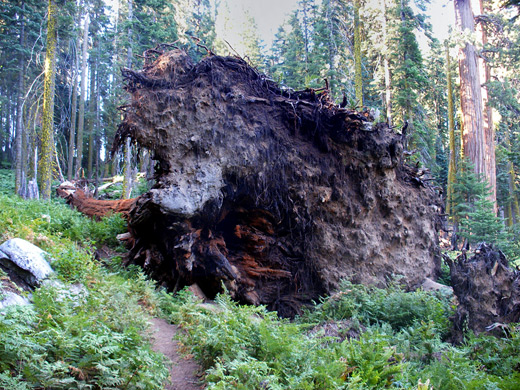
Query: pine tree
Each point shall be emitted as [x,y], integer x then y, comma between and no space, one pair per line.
[19,108]
[452,170]
[333,41]
[82,96]
[47,132]
[358,77]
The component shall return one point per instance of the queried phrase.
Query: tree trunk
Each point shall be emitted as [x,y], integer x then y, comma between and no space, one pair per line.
[82,97]
[97,135]
[91,114]
[94,207]
[473,137]
[358,78]
[19,109]
[386,66]
[127,169]
[452,167]
[513,204]
[47,132]
[73,116]
[487,113]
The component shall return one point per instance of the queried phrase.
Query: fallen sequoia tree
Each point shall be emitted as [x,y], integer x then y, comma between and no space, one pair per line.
[85,204]
[276,194]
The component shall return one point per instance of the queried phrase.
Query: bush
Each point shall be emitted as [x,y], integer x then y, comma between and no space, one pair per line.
[67,342]
[393,306]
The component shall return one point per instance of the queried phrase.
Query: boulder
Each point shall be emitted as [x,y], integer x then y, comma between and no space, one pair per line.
[9,298]
[25,263]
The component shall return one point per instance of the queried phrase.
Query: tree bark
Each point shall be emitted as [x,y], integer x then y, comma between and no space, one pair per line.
[94,207]
[82,96]
[92,113]
[487,113]
[513,204]
[473,138]
[386,66]
[127,169]
[452,167]
[47,132]
[73,116]
[19,109]
[358,78]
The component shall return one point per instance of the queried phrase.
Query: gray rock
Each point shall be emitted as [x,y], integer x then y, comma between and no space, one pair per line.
[10,298]
[24,262]
[76,292]
[430,285]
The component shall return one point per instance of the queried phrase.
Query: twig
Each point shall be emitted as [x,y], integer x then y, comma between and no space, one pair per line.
[231,47]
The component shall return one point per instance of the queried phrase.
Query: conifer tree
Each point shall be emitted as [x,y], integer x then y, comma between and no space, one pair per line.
[47,132]
[357,55]
[82,96]
[451,129]
[19,109]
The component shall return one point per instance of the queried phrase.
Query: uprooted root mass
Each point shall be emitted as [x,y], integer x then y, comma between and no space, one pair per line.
[277,194]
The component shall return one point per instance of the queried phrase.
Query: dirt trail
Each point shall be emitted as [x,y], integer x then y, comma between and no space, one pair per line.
[183,371]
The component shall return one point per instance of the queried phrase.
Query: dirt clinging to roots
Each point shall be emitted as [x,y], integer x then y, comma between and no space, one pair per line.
[277,194]
[487,289]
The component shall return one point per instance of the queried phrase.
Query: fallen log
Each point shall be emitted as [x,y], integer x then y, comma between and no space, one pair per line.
[91,207]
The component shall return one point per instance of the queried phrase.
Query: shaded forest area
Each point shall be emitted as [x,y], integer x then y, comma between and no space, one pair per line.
[62,86]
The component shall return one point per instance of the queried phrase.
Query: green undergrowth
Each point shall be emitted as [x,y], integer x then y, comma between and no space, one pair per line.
[359,338]
[93,337]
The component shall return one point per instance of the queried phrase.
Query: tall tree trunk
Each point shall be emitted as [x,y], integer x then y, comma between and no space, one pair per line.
[358,78]
[452,167]
[487,113]
[473,138]
[73,112]
[47,132]
[19,109]
[83,92]
[513,204]
[97,137]
[305,21]
[386,66]
[127,169]
[4,135]
[92,113]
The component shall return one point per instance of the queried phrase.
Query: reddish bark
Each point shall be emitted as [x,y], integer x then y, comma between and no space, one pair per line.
[94,207]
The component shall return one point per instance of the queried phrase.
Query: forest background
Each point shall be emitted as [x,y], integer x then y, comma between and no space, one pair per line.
[61,87]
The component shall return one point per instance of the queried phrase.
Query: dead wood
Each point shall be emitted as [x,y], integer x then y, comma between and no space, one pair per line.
[91,207]
[487,289]
[276,193]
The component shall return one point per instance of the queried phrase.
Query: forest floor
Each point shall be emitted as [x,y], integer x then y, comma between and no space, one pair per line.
[183,371]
